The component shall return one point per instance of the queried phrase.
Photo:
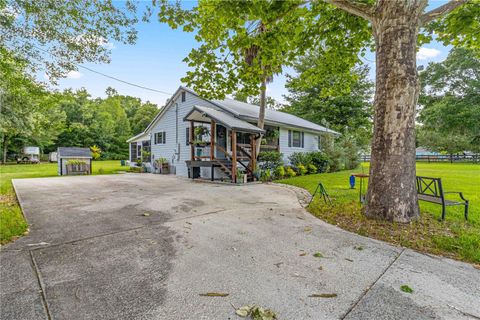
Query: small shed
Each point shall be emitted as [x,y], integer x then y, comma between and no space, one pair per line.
[74,161]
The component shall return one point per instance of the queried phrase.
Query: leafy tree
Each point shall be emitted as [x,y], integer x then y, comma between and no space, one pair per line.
[345,112]
[450,103]
[270,103]
[339,30]
[27,112]
[143,116]
[140,114]
[54,35]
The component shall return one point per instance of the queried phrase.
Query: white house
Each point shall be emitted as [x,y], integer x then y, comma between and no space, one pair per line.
[200,137]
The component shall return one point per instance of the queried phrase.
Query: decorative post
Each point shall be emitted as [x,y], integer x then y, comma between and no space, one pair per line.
[234,156]
[212,140]
[253,148]
[192,146]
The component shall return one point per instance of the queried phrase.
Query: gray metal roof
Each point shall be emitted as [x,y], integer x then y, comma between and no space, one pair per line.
[199,113]
[250,112]
[71,152]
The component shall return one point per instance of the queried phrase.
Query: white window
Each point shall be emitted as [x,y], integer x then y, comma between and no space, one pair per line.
[159,137]
[296,139]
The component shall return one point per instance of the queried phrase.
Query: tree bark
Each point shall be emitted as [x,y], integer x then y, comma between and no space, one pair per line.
[261,113]
[392,191]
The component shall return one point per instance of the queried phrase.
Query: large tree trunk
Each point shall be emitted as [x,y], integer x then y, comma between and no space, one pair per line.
[392,193]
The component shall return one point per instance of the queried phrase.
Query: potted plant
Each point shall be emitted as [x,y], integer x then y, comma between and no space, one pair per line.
[162,164]
[240,177]
[199,133]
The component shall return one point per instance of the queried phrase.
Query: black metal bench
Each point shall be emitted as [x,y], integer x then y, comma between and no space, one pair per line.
[430,190]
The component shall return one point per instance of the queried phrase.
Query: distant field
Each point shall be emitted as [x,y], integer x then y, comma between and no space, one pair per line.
[454,237]
[12,223]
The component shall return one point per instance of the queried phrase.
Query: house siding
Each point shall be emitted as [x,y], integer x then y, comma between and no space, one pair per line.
[310,143]
[176,154]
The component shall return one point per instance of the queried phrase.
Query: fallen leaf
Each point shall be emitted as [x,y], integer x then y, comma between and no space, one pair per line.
[243,311]
[256,313]
[320,268]
[302,254]
[359,248]
[213,294]
[146,214]
[406,289]
[278,264]
[349,259]
[318,255]
[323,295]
[307,229]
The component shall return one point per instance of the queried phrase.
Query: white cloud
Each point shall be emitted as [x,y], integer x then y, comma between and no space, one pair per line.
[427,53]
[74,75]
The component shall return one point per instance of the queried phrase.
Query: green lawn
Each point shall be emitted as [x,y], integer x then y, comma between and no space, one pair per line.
[12,223]
[453,238]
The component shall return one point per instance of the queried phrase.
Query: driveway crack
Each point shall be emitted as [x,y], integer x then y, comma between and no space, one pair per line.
[373,284]
[42,286]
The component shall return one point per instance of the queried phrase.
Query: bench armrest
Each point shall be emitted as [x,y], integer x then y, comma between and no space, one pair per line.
[459,193]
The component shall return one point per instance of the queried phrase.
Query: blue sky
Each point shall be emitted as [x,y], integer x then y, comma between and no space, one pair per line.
[155,61]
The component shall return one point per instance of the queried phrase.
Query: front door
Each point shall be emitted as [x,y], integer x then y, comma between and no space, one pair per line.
[221,140]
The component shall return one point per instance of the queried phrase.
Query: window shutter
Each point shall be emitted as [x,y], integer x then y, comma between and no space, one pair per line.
[187,136]
[303,138]
[289,138]
[155,138]
[184,96]
[164,137]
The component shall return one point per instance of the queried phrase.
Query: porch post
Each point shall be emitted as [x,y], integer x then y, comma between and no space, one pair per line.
[192,147]
[234,156]
[253,161]
[212,140]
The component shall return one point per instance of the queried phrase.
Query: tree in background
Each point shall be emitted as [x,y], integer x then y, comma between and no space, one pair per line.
[340,30]
[270,103]
[450,104]
[54,35]
[348,112]
[139,113]
[27,111]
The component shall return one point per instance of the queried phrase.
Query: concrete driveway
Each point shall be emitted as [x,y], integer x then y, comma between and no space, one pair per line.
[141,246]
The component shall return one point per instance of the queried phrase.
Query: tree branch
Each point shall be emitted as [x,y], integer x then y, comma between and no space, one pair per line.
[440,11]
[354,7]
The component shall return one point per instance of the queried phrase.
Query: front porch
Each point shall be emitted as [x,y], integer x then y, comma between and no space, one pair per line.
[220,141]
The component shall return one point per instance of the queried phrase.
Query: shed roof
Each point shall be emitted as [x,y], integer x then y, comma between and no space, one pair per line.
[74,152]
[250,112]
[201,114]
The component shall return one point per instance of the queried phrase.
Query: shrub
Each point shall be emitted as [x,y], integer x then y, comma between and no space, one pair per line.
[343,154]
[300,158]
[290,172]
[96,152]
[266,175]
[319,160]
[270,159]
[302,170]
[312,169]
[280,172]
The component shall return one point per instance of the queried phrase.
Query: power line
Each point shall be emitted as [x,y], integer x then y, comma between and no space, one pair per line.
[106,75]
[123,81]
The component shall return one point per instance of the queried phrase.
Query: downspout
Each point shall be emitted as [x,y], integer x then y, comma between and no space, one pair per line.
[177,148]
